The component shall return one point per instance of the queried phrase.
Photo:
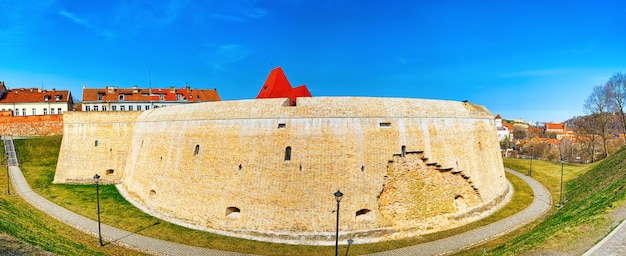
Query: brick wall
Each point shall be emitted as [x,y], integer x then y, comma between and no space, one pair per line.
[31,125]
[222,167]
[94,142]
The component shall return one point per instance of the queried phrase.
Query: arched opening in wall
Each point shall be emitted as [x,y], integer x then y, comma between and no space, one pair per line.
[152,194]
[196,150]
[362,168]
[96,143]
[233,212]
[403,149]
[363,214]
[288,154]
[110,172]
[240,167]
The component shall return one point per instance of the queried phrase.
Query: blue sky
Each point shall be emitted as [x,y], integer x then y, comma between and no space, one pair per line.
[536,60]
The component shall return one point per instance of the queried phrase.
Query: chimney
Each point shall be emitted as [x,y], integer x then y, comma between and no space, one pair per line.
[172,89]
[135,89]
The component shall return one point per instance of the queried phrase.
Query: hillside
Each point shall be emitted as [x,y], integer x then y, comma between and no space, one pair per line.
[575,227]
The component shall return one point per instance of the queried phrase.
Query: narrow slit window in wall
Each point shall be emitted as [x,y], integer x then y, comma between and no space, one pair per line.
[96,143]
[110,172]
[363,214]
[287,153]
[282,126]
[384,125]
[233,212]
[403,150]
[196,150]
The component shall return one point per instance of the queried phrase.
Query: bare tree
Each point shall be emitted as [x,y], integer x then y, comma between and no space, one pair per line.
[585,128]
[597,105]
[617,96]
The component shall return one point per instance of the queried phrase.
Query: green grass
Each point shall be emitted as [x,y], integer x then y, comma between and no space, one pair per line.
[39,156]
[591,191]
[21,221]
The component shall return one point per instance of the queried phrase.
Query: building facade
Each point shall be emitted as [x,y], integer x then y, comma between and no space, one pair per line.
[112,98]
[34,101]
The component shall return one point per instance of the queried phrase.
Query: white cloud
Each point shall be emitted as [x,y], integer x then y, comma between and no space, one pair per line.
[73,18]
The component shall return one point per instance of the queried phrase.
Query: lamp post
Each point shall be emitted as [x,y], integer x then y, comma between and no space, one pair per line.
[532,155]
[561,189]
[338,196]
[96,178]
[8,181]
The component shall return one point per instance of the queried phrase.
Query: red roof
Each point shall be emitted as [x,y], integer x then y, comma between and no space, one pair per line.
[555,126]
[112,94]
[277,86]
[27,95]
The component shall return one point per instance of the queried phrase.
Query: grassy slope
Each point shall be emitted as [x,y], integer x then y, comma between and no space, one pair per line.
[589,198]
[39,156]
[21,221]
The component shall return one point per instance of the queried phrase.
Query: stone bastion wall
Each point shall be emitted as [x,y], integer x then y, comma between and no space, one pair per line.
[265,170]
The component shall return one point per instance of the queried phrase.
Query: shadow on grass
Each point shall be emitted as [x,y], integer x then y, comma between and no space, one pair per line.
[136,232]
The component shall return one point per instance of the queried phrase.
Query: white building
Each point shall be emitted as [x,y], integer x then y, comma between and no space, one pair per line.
[34,101]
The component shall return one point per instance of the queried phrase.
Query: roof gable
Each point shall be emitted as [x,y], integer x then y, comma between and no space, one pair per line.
[277,86]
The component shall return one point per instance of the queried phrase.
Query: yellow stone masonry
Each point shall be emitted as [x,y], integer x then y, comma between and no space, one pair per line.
[265,170]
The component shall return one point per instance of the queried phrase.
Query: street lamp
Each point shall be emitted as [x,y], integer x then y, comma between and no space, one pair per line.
[96,178]
[561,189]
[338,196]
[8,181]
[532,155]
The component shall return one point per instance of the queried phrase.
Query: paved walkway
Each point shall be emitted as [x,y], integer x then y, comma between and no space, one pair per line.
[540,205]
[612,244]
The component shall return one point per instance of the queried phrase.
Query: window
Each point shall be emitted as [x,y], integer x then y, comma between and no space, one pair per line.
[96,143]
[34,111]
[57,97]
[95,108]
[232,212]
[384,125]
[17,112]
[130,107]
[45,111]
[100,96]
[121,97]
[362,215]
[114,108]
[139,107]
[282,126]
[147,107]
[51,111]
[196,150]
[403,149]
[59,111]
[104,108]
[88,108]
[122,108]
[110,172]
[288,154]
[23,111]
